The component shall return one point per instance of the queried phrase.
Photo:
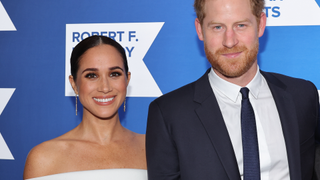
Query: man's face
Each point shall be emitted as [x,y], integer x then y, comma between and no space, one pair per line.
[231,36]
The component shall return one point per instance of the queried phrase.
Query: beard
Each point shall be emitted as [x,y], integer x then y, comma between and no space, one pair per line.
[236,67]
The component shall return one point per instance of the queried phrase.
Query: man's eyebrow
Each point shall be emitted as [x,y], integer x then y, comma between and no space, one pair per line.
[241,21]
[245,20]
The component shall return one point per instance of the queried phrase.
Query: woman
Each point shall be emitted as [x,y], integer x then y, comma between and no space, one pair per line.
[99,147]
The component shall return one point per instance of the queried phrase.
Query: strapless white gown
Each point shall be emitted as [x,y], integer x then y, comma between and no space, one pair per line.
[99,174]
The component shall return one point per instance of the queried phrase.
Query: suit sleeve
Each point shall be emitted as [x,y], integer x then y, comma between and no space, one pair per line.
[162,156]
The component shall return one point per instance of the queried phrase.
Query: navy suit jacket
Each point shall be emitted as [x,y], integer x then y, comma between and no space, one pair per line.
[187,138]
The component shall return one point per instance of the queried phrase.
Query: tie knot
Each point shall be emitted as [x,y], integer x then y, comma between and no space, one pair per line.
[245,92]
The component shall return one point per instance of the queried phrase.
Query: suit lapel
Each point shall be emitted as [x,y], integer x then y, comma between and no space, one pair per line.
[210,115]
[289,123]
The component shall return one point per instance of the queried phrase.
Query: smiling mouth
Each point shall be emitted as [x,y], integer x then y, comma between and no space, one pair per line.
[103,100]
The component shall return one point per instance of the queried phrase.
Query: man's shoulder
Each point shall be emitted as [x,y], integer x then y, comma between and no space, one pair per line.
[187,92]
[183,92]
[285,79]
[299,88]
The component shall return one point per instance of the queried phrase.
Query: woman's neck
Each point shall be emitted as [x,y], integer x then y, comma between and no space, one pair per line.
[101,131]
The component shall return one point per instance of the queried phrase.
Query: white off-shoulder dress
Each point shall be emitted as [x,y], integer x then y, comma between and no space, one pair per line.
[99,174]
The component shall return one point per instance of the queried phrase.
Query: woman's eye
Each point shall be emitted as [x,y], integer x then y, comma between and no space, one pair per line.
[91,75]
[115,74]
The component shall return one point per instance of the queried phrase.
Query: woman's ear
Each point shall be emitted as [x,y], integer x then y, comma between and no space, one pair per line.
[73,84]
[129,77]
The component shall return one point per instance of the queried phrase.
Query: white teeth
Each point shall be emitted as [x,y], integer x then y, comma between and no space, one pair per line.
[103,100]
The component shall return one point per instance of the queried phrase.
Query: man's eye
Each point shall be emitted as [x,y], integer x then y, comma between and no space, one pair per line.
[91,75]
[241,25]
[115,74]
[218,27]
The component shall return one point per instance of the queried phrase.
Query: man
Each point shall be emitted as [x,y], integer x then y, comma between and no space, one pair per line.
[198,132]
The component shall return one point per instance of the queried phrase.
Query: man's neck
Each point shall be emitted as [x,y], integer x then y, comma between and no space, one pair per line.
[242,80]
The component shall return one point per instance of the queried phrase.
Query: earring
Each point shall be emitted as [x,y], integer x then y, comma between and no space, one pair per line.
[76,105]
[124,105]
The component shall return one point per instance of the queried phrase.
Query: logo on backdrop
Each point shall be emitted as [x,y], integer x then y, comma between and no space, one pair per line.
[292,12]
[5,95]
[5,21]
[318,2]
[135,38]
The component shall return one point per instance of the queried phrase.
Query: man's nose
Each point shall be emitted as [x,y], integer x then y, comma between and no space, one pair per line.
[230,38]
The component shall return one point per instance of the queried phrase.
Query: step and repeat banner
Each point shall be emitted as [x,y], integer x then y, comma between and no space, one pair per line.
[163,50]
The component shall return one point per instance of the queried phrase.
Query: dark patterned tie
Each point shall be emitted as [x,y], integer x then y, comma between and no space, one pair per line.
[251,164]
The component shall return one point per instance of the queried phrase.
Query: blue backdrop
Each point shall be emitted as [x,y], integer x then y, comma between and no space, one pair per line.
[36,38]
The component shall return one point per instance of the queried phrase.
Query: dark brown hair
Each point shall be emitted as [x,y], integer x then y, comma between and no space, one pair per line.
[91,42]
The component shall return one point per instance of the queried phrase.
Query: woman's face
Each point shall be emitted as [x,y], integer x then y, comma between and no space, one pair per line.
[101,81]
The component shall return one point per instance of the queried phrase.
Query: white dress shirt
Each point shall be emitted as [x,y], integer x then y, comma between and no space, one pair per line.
[272,148]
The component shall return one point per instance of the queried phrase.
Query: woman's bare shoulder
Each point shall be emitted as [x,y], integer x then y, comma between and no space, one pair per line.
[43,158]
[140,151]
[140,137]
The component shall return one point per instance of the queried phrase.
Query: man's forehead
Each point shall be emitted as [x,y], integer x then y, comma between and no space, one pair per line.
[216,5]
[225,1]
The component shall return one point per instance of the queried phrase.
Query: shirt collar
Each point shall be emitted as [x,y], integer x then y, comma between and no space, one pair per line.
[232,91]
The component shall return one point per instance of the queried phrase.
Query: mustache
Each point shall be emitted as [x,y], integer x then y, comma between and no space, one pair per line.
[225,50]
